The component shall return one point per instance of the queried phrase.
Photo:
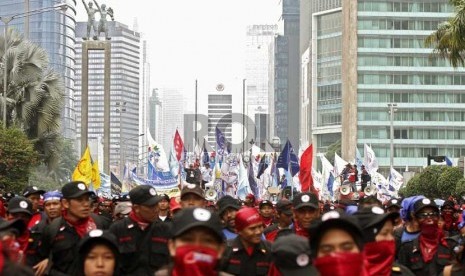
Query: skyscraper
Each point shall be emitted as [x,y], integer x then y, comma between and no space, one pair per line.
[258,42]
[368,54]
[124,92]
[173,116]
[55,32]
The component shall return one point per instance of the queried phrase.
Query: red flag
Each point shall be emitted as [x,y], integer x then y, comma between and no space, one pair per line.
[305,173]
[178,145]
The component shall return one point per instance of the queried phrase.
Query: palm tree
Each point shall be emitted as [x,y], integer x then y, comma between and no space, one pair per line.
[449,40]
[35,96]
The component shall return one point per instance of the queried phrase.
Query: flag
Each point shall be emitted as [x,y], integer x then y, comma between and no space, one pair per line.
[448,162]
[371,163]
[96,181]
[83,171]
[173,164]
[317,178]
[327,175]
[262,166]
[252,183]
[205,159]
[288,160]
[159,159]
[243,187]
[358,158]
[396,180]
[116,185]
[339,164]
[305,173]
[220,142]
[178,145]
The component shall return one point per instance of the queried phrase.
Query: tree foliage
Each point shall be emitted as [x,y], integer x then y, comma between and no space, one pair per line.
[333,148]
[460,187]
[17,157]
[35,96]
[435,182]
[449,39]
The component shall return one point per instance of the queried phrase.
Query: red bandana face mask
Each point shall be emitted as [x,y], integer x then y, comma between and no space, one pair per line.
[379,257]
[340,264]
[429,241]
[195,260]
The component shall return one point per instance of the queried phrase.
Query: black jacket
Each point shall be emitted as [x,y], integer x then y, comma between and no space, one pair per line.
[142,252]
[236,261]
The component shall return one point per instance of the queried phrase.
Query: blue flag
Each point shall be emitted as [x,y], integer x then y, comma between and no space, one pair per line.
[330,184]
[262,166]
[205,157]
[288,160]
[116,185]
[220,142]
[448,162]
[252,183]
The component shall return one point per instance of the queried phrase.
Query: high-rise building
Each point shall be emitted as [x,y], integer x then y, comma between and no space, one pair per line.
[172,116]
[54,31]
[258,42]
[144,109]
[364,55]
[155,118]
[284,76]
[124,92]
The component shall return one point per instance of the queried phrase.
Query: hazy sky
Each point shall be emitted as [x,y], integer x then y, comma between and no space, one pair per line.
[188,39]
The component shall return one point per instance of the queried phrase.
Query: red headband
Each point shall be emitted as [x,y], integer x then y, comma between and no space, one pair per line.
[247,216]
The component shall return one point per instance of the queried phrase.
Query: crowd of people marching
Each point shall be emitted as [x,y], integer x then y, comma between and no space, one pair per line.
[74,232]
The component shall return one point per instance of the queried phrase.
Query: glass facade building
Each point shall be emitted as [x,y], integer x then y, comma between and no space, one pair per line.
[55,32]
[394,66]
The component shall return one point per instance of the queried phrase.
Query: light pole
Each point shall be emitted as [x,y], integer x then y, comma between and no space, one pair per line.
[6,21]
[392,110]
[121,154]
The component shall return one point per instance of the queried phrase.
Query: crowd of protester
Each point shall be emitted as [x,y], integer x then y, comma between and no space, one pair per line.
[74,232]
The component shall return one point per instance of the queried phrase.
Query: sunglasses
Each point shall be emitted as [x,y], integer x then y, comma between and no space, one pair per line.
[426,215]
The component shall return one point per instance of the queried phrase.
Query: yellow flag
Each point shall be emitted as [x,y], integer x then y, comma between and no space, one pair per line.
[96,176]
[83,171]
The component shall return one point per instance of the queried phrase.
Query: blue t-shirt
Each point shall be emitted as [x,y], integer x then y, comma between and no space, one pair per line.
[409,236]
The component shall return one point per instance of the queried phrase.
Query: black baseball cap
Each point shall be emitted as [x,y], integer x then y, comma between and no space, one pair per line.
[75,189]
[372,219]
[192,189]
[393,202]
[29,190]
[305,200]
[334,220]
[144,195]
[20,204]
[98,235]
[423,203]
[165,197]
[227,202]
[265,202]
[16,225]
[291,255]
[189,218]
[284,206]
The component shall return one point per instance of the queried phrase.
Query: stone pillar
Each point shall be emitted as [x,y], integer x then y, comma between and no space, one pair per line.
[104,46]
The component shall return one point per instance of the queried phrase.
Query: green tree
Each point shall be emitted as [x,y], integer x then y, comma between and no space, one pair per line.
[448,180]
[333,148]
[68,161]
[460,187]
[35,96]
[412,188]
[449,40]
[17,157]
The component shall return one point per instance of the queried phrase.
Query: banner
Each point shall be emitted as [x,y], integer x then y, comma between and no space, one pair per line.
[163,180]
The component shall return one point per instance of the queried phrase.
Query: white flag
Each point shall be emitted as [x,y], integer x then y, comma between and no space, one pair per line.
[370,159]
[339,164]
[396,180]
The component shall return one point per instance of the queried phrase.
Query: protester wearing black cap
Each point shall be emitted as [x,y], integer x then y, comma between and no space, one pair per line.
[266,209]
[450,217]
[336,244]
[227,208]
[61,236]
[306,209]
[192,195]
[21,208]
[98,254]
[380,247]
[142,238]
[291,256]
[33,194]
[197,244]
[283,217]
[430,252]
[164,208]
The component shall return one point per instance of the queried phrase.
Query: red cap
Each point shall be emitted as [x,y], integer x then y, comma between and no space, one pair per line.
[174,204]
[247,216]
